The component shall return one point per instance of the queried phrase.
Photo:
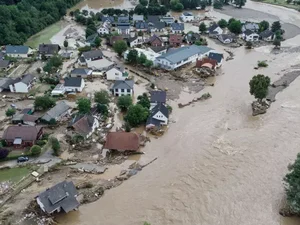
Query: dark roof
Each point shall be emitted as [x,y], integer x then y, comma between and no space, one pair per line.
[191,36]
[123,26]
[248,32]
[187,14]
[158,96]
[158,48]
[154,37]
[212,27]
[26,133]
[92,54]
[141,25]
[61,195]
[25,117]
[111,19]
[160,108]
[226,36]
[266,33]
[4,63]
[82,124]
[58,110]
[153,19]
[26,111]
[26,79]
[131,39]
[167,19]
[73,81]
[81,59]
[123,84]
[159,25]
[17,49]
[5,82]
[49,48]
[216,56]
[123,19]
[1,55]
[91,38]
[177,26]
[122,141]
[81,71]
[153,121]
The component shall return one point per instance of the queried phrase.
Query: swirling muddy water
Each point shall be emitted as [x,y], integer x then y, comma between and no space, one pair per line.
[217,164]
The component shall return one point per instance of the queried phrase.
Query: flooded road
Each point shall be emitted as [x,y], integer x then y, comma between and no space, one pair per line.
[217,164]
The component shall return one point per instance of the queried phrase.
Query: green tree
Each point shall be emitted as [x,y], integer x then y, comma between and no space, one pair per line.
[83,105]
[53,64]
[55,146]
[3,153]
[98,41]
[148,63]
[239,3]
[222,23]
[143,2]
[140,33]
[202,27]
[141,58]
[235,27]
[276,26]
[136,115]
[103,109]
[263,25]
[277,43]
[144,101]
[102,97]
[231,20]
[66,44]
[43,102]
[120,47]
[52,122]
[259,85]
[218,4]
[38,70]
[176,5]
[292,186]
[132,56]
[124,102]
[249,45]
[10,112]
[35,150]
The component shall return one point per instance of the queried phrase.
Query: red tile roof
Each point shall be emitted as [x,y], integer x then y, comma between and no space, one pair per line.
[122,141]
[175,38]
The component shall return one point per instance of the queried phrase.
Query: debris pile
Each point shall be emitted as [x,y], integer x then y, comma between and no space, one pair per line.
[259,107]
[203,97]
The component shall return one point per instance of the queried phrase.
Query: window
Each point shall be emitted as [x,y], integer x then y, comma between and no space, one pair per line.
[122,90]
[128,90]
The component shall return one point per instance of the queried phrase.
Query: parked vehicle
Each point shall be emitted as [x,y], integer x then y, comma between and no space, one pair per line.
[22,159]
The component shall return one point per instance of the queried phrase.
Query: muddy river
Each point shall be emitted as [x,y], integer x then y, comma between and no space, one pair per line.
[216,164]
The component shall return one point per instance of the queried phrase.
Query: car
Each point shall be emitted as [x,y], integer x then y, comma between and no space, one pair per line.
[22,159]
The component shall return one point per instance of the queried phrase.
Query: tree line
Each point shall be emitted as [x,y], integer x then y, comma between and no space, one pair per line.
[21,19]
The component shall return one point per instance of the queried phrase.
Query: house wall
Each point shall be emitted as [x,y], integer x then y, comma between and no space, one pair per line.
[18,55]
[161,117]
[114,74]
[157,42]
[75,89]
[119,92]
[121,31]
[103,30]
[177,31]
[95,126]
[187,18]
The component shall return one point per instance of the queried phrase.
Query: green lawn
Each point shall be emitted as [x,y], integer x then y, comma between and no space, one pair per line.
[13,174]
[281,3]
[44,36]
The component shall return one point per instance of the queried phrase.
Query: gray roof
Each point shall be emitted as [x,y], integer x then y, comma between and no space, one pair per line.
[123,19]
[82,124]
[4,63]
[49,48]
[81,71]
[158,96]
[153,19]
[250,26]
[212,27]
[167,19]
[160,108]
[158,49]
[61,195]
[1,55]
[5,82]
[73,81]
[192,37]
[141,25]
[216,56]
[92,54]
[177,26]
[187,13]
[266,33]
[248,32]
[183,53]
[56,111]
[17,49]
[153,121]
[91,38]
[26,79]
[157,25]
[123,26]
[136,17]
[111,19]
[123,84]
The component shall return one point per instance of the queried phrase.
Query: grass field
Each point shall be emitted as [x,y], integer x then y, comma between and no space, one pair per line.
[281,3]
[44,36]
[13,174]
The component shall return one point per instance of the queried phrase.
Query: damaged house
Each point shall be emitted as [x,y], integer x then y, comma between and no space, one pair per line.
[84,125]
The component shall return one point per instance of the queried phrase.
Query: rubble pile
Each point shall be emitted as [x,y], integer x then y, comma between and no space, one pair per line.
[260,107]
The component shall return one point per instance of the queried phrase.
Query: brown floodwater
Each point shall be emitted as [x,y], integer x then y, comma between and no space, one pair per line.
[216,164]
[96,5]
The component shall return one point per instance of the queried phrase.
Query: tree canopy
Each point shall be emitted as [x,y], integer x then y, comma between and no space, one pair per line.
[120,47]
[259,86]
[21,19]
[235,27]
[222,23]
[202,27]
[132,56]
[276,26]
[144,101]
[43,102]
[176,5]
[35,150]
[3,153]
[136,115]
[83,105]
[102,97]
[124,102]
[263,25]
[53,64]
[10,112]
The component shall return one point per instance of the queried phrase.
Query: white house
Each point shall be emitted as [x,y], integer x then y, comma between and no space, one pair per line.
[150,55]
[159,115]
[225,38]
[18,51]
[22,84]
[105,28]
[123,28]
[81,72]
[187,17]
[58,90]
[267,35]
[249,35]
[214,30]
[218,57]
[73,84]
[136,18]
[157,97]
[177,28]
[116,74]
[95,60]
[137,40]
[182,56]
[122,87]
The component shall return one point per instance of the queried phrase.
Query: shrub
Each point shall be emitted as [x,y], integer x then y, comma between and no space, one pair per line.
[35,150]
[40,143]
[10,112]
[262,64]
[45,136]
[124,102]
[3,153]
[170,109]
[55,146]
